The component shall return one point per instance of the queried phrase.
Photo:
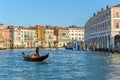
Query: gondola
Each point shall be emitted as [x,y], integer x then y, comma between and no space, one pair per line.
[37,59]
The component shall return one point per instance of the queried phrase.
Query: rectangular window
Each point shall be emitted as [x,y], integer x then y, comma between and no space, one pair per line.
[117,14]
[117,25]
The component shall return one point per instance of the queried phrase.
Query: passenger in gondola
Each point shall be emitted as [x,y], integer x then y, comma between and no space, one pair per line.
[34,56]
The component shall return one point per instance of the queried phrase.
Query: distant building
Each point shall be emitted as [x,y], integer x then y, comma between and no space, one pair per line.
[56,29]
[40,35]
[76,33]
[49,37]
[29,37]
[2,27]
[102,27]
[63,37]
[7,38]
[44,36]
[22,37]
[15,36]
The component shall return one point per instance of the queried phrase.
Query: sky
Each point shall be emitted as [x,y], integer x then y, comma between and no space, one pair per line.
[62,13]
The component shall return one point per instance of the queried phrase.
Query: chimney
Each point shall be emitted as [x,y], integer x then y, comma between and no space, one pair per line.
[102,9]
[94,14]
[107,6]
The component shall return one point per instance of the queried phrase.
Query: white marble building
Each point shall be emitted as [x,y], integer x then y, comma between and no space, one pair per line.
[76,33]
[102,27]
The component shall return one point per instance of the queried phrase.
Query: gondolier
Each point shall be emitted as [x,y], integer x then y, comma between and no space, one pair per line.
[37,51]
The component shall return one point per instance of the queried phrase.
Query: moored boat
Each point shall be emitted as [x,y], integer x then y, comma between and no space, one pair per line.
[3,48]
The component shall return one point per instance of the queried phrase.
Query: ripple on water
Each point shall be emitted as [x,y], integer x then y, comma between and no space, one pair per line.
[60,65]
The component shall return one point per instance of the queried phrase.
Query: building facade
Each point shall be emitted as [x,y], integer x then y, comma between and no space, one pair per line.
[76,33]
[6,38]
[49,37]
[2,27]
[44,36]
[29,37]
[102,27]
[41,35]
[63,37]
[56,29]
[21,37]
[15,36]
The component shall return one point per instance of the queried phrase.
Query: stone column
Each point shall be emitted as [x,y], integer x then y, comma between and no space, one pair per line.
[101,42]
[113,44]
[107,42]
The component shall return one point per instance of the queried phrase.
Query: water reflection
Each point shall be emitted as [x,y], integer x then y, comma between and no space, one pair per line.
[41,63]
[114,66]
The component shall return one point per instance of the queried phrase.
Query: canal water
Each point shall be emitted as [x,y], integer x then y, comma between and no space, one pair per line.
[60,65]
